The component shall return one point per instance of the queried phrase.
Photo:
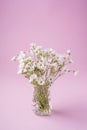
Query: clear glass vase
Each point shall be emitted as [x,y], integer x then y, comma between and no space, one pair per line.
[41,101]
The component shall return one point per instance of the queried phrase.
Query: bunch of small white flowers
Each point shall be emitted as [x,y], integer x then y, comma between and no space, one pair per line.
[43,66]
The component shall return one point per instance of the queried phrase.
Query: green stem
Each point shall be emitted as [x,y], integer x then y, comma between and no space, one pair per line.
[41,98]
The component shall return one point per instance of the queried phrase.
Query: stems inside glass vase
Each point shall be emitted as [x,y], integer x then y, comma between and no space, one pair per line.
[41,100]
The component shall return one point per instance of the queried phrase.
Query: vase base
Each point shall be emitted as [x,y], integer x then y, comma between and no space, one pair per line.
[44,113]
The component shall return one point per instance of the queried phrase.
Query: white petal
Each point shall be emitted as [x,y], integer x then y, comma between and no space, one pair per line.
[19,71]
[75,73]
[14,58]
[68,51]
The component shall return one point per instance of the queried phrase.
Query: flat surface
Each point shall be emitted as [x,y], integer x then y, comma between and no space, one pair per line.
[69,102]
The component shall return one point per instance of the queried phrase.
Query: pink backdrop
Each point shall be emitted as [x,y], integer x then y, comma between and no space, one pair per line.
[58,24]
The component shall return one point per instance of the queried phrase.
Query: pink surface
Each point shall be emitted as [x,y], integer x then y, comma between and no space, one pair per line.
[59,24]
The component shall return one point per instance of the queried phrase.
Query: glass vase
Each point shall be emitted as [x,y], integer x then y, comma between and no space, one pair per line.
[41,101]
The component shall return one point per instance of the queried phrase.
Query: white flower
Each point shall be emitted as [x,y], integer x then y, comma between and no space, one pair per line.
[69,52]
[50,60]
[71,61]
[42,59]
[37,52]
[39,47]
[20,68]
[32,48]
[33,45]
[45,53]
[21,61]
[46,50]
[41,81]
[34,64]
[27,66]
[64,69]
[21,56]
[40,65]
[44,62]
[21,65]
[51,51]
[75,72]
[31,52]
[32,77]
[19,71]
[13,58]
[60,59]
[55,66]
[25,70]
[50,79]
[28,59]
[31,68]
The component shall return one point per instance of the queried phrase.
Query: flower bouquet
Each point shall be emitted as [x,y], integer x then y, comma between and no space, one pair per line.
[42,67]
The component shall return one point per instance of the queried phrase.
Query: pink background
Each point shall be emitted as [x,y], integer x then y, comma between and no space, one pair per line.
[58,24]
